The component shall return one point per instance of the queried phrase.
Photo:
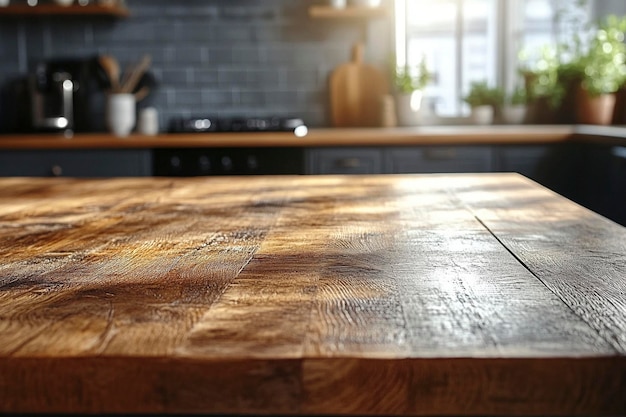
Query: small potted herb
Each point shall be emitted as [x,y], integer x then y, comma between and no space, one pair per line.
[601,72]
[409,83]
[483,99]
[544,93]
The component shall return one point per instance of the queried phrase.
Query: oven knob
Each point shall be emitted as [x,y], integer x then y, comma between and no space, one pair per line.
[204,164]
[227,163]
[56,170]
[175,163]
[253,163]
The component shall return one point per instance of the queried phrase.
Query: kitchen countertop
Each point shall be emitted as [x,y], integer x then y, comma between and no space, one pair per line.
[435,135]
[482,294]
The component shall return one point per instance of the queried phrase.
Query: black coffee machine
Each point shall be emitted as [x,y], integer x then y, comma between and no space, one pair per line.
[61,95]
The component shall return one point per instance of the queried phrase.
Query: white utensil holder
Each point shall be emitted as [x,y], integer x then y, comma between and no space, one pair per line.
[121,115]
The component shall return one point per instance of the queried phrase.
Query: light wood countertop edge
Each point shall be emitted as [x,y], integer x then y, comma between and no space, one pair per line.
[317,137]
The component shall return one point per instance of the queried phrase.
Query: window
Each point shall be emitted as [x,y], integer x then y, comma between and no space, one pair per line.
[472,40]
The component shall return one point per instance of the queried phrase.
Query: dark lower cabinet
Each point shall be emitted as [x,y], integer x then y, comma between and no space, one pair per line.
[439,159]
[616,203]
[399,160]
[553,166]
[526,160]
[344,161]
[76,163]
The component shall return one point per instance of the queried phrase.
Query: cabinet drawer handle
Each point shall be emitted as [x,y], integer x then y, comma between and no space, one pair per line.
[440,154]
[56,170]
[349,163]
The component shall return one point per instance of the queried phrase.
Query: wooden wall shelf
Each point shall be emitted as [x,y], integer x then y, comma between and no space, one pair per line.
[328,12]
[53,10]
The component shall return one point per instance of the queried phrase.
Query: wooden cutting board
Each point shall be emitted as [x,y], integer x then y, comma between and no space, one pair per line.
[356,90]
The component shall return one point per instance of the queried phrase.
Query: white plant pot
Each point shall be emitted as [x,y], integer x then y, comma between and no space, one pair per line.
[514,114]
[482,115]
[407,108]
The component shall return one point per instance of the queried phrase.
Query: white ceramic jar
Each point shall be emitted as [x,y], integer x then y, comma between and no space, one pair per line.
[148,121]
[365,3]
[121,116]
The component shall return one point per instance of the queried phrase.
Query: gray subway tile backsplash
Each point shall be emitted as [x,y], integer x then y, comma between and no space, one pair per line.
[209,56]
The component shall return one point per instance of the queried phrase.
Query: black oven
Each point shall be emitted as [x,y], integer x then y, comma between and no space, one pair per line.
[232,160]
[186,162]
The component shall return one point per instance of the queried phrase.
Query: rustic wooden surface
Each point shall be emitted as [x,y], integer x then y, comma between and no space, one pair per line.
[404,136]
[409,295]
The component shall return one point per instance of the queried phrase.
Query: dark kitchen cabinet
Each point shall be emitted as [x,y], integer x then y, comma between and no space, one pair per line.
[527,160]
[615,205]
[600,179]
[46,10]
[76,163]
[591,175]
[352,160]
[399,160]
[559,167]
[439,159]
[350,12]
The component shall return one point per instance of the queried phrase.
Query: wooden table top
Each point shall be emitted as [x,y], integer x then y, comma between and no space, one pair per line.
[480,294]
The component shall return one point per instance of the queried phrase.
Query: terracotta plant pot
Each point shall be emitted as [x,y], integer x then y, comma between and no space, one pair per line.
[540,112]
[619,114]
[597,110]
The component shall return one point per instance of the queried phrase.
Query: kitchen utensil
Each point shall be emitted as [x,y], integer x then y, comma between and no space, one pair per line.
[141,93]
[134,73]
[356,89]
[112,69]
[146,84]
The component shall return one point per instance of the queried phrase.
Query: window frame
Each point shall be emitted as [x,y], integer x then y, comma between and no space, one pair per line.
[509,32]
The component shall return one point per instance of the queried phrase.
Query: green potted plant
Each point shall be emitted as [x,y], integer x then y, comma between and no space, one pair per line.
[544,94]
[600,72]
[409,83]
[483,100]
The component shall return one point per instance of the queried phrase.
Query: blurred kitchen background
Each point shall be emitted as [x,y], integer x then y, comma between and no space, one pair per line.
[209,56]
[271,57]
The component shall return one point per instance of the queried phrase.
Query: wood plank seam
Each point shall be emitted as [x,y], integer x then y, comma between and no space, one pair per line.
[598,327]
[528,268]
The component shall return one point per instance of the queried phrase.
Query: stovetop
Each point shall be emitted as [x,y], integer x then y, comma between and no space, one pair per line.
[238,124]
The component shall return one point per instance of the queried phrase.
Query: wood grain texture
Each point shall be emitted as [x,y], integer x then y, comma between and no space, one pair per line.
[589,276]
[356,89]
[407,295]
